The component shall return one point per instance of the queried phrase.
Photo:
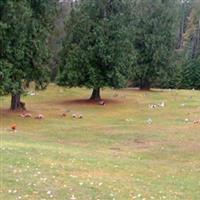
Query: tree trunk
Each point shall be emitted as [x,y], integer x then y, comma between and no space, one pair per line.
[16,103]
[95,95]
[145,84]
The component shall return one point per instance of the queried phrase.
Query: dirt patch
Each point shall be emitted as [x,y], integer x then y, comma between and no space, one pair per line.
[88,102]
[115,149]
[140,144]
[190,146]
[77,143]
[5,111]
[8,112]
[143,144]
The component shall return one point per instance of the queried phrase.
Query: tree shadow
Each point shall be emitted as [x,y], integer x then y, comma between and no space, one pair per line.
[89,102]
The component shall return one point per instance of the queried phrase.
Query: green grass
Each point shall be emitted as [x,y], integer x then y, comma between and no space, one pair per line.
[102,156]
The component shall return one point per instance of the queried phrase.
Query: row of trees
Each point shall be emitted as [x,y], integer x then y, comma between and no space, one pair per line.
[191,47]
[110,42]
[105,43]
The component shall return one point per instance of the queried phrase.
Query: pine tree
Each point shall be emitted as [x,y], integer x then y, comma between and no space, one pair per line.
[191,62]
[154,39]
[184,12]
[25,27]
[191,74]
[97,51]
[192,34]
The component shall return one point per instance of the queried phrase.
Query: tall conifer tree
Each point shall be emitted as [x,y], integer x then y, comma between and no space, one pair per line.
[154,38]
[97,51]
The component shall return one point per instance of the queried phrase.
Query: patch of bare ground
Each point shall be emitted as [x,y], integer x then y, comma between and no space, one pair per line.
[191,146]
[7,112]
[75,143]
[144,145]
[115,149]
[87,102]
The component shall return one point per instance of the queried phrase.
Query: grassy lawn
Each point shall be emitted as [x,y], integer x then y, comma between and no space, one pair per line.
[110,154]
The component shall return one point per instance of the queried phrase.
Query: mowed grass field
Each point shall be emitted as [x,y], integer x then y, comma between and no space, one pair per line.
[110,154]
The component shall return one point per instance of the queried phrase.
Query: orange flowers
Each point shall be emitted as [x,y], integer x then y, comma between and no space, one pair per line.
[13,127]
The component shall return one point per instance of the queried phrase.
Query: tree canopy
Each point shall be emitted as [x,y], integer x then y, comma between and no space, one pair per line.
[154,39]
[145,43]
[97,51]
[25,26]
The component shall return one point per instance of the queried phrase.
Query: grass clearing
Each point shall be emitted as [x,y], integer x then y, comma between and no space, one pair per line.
[110,154]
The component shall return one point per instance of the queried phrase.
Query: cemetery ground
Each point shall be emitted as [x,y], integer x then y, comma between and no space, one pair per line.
[124,150]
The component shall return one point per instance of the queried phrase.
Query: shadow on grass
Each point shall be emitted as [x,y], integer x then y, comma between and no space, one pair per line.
[89,102]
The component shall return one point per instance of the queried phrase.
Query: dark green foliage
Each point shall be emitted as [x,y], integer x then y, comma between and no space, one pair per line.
[184,12]
[191,74]
[5,81]
[25,27]
[15,17]
[37,52]
[97,51]
[154,39]
[106,44]
[190,65]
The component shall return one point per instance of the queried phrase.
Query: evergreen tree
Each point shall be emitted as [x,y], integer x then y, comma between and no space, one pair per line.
[192,34]
[184,12]
[5,71]
[97,51]
[191,54]
[191,74]
[55,40]
[25,27]
[154,39]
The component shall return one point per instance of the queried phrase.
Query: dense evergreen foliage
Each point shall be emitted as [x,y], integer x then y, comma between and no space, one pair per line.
[115,43]
[190,50]
[191,74]
[97,50]
[154,39]
[25,26]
